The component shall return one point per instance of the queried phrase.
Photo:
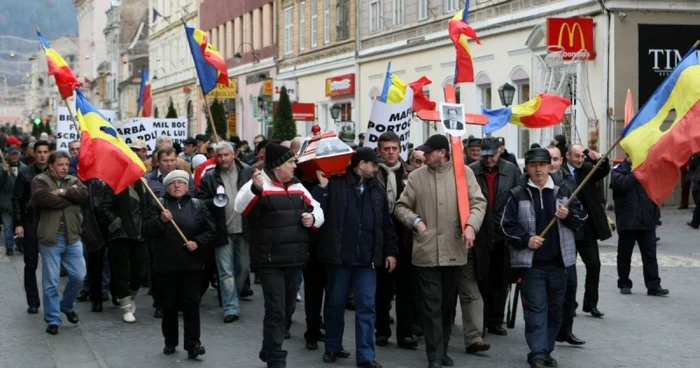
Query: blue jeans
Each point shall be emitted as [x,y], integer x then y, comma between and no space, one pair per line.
[364,284]
[9,230]
[52,256]
[232,262]
[105,274]
[543,290]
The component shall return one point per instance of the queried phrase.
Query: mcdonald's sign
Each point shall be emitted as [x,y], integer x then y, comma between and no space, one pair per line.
[572,35]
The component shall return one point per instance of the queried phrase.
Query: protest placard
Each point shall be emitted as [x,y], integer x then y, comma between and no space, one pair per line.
[391,118]
[65,129]
[138,128]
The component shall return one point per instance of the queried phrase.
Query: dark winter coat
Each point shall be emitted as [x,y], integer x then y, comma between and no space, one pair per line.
[121,214]
[207,191]
[7,186]
[597,223]
[192,217]
[634,210]
[22,207]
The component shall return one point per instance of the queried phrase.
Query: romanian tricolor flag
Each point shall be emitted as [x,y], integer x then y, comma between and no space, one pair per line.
[103,154]
[420,100]
[210,66]
[65,79]
[460,31]
[657,147]
[542,111]
[145,101]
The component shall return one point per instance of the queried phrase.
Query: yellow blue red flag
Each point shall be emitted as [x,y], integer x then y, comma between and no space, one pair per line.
[103,154]
[145,100]
[460,31]
[542,111]
[658,147]
[211,67]
[65,79]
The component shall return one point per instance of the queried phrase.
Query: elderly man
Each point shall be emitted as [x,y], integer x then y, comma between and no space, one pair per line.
[280,212]
[180,263]
[541,261]
[473,150]
[57,198]
[232,257]
[417,159]
[441,242]
[580,162]
[8,176]
[496,177]
[163,142]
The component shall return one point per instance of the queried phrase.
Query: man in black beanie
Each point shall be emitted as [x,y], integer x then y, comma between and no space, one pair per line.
[541,262]
[280,212]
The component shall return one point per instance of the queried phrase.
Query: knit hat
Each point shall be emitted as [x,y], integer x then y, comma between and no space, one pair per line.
[276,155]
[176,175]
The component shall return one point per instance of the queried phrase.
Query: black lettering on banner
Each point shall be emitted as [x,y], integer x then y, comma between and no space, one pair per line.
[161,124]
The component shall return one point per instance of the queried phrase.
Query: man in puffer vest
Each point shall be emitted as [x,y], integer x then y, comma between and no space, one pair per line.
[541,262]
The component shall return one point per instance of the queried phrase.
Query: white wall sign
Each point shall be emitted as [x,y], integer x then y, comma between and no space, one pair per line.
[65,129]
[290,85]
[391,118]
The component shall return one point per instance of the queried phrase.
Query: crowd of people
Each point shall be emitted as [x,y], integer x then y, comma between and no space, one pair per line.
[386,231]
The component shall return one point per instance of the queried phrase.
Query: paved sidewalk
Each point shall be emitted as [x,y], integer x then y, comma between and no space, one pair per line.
[637,330]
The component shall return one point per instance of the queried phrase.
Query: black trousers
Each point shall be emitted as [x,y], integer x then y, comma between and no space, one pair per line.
[570,305]
[95,266]
[315,279]
[31,261]
[126,261]
[647,247]
[279,285]
[590,255]
[181,291]
[382,301]
[494,289]
[156,290]
[406,289]
[438,288]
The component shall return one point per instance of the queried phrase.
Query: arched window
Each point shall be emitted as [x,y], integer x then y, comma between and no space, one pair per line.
[458,93]
[482,81]
[520,78]
[155,112]
[190,110]
[374,93]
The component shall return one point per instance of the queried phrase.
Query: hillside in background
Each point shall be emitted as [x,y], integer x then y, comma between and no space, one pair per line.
[55,18]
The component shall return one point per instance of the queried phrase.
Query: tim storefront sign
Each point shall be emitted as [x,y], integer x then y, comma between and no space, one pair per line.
[341,85]
[571,35]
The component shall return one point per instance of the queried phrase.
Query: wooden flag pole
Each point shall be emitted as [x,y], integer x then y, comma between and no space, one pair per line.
[72,118]
[211,118]
[157,200]
[584,182]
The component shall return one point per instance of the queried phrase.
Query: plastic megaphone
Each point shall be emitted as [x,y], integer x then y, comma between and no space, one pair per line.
[220,199]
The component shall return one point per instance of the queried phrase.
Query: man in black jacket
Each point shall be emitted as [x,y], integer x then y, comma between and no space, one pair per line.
[496,178]
[232,252]
[23,217]
[359,236]
[8,175]
[637,218]
[505,155]
[580,162]
[280,212]
[392,174]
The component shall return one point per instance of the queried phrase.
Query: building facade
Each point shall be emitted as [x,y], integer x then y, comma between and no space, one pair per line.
[171,68]
[317,49]
[92,47]
[245,34]
[134,56]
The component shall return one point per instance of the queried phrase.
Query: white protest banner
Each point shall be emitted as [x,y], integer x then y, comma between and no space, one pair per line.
[391,118]
[65,129]
[138,128]
[173,128]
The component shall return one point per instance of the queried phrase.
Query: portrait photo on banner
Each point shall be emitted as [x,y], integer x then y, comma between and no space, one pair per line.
[452,118]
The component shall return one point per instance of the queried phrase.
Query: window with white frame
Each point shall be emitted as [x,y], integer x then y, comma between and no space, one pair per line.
[452,5]
[485,90]
[314,23]
[375,16]
[342,20]
[288,30]
[302,25]
[326,21]
[422,9]
[397,13]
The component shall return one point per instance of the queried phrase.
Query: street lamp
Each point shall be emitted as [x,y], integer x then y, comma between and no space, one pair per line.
[335,112]
[506,92]
[238,54]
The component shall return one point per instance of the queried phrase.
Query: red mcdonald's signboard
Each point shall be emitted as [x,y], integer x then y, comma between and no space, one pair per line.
[571,35]
[303,111]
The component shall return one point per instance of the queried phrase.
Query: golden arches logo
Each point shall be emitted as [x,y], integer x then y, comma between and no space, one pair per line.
[571,31]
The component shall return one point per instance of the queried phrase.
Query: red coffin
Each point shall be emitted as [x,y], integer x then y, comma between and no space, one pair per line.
[326,153]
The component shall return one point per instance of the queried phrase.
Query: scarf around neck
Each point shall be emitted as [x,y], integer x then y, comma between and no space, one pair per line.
[391,188]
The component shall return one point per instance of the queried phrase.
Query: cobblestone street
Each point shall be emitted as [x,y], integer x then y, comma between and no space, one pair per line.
[637,330]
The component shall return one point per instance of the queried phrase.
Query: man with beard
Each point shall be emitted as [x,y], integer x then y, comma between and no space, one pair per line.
[23,217]
[496,177]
